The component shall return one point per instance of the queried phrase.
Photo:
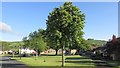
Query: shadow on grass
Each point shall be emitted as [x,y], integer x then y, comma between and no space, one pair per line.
[87,61]
[61,67]
[72,58]
[80,62]
[115,64]
[49,55]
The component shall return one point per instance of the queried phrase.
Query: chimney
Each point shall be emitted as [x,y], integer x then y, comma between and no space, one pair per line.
[114,38]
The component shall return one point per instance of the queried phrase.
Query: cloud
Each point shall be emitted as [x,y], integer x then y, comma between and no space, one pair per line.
[5,27]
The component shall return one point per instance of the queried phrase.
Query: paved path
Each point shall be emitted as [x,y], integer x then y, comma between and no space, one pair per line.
[7,62]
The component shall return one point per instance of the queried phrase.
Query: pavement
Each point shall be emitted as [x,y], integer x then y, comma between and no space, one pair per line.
[7,62]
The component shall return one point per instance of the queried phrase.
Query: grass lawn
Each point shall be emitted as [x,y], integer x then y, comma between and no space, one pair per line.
[70,61]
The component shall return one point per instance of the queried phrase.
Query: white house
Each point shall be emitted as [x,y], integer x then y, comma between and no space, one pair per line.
[27,51]
[1,52]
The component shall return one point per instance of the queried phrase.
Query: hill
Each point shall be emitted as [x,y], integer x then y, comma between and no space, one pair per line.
[97,42]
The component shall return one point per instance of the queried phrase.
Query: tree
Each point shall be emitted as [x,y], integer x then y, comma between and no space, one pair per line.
[54,44]
[37,41]
[65,25]
[5,45]
[51,44]
[26,42]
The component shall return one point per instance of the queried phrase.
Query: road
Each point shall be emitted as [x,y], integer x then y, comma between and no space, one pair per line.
[7,62]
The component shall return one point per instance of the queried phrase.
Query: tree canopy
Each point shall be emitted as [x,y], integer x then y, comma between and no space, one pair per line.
[35,41]
[65,24]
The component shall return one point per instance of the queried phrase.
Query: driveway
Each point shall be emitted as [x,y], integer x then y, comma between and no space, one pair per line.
[7,62]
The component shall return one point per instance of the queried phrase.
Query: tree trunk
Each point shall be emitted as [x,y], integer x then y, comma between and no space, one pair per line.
[36,55]
[13,54]
[62,44]
[62,55]
[38,52]
[56,50]
[70,51]
[20,52]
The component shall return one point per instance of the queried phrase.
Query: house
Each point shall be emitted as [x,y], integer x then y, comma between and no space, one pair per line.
[26,52]
[113,48]
[1,52]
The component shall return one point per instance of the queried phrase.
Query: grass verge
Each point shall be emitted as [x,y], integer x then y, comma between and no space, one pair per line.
[55,61]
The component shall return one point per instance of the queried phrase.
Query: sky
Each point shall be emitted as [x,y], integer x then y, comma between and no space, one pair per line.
[21,18]
[119,19]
